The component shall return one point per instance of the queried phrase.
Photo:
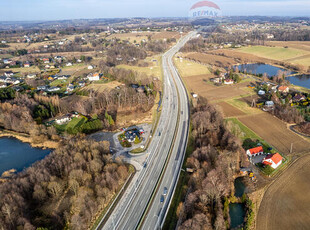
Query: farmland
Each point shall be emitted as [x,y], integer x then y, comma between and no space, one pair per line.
[285,204]
[190,68]
[276,53]
[211,59]
[229,110]
[275,132]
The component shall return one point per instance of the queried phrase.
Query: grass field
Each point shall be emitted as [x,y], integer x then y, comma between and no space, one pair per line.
[74,123]
[154,68]
[31,69]
[58,82]
[285,204]
[103,87]
[190,68]
[276,53]
[211,59]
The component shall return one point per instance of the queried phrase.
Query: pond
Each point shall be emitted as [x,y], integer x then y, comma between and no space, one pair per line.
[239,187]
[17,155]
[257,68]
[270,70]
[300,80]
[237,215]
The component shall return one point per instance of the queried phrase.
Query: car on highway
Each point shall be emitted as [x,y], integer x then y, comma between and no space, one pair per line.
[165,191]
[162,199]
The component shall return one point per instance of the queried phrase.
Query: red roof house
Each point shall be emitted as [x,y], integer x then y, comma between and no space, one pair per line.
[283,89]
[255,151]
[274,160]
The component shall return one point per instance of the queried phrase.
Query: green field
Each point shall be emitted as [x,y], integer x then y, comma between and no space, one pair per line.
[302,61]
[276,53]
[58,82]
[31,69]
[73,124]
[190,68]
[150,71]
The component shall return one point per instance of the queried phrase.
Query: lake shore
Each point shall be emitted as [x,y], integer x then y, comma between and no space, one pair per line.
[27,139]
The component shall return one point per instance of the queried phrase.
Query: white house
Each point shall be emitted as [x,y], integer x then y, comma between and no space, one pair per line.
[90,67]
[261,92]
[93,77]
[31,75]
[255,151]
[69,64]
[274,160]
[269,103]
[228,81]
[62,120]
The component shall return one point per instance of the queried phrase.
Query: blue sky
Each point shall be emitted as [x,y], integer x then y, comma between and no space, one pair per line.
[15,10]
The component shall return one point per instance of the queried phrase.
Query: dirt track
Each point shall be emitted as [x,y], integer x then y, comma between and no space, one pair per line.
[286,203]
[275,132]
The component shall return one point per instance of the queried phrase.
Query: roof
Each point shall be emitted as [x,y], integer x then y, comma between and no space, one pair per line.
[282,88]
[276,158]
[256,150]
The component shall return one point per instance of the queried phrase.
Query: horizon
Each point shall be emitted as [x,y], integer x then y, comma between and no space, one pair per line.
[35,10]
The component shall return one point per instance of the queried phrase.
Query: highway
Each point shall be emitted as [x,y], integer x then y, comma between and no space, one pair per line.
[141,205]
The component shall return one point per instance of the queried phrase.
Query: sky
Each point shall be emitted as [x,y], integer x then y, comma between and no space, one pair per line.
[22,10]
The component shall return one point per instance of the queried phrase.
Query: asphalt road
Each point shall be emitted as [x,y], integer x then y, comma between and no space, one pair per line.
[165,155]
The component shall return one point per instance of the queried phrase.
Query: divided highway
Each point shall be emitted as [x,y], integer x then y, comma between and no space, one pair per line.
[144,205]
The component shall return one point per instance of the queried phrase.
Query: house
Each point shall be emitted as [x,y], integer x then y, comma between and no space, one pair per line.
[299,97]
[269,103]
[41,87]
[140,89]
[261,92]
[7,61]
[53,89]
[69,64]
[63,77]
[93,77]
[62,120]
[46,60]
[70,88]
[228,81]
[195,95]
[81,83]
[283,89]
[216,79]
[26,64]
[255,151]
[8,73]
[12,80]
[274,160]
[90,67]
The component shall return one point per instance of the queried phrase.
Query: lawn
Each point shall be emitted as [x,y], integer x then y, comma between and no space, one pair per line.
[74,123]
[243,106]
[150,71]
[58,82]
[190,68]
[302,61]
[31,69]
[276,53]
[247,133]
